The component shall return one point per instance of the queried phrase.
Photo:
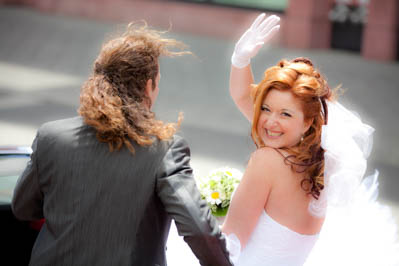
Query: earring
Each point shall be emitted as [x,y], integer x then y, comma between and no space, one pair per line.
[301,138]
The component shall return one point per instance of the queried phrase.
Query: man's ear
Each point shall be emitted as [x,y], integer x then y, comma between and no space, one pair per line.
[148,88]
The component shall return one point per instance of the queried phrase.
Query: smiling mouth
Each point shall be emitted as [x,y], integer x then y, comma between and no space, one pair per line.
[273,134]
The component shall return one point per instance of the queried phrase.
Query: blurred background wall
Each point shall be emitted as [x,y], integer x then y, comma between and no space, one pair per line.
[369,27]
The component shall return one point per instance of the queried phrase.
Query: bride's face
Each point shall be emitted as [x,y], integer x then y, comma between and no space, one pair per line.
[281,122]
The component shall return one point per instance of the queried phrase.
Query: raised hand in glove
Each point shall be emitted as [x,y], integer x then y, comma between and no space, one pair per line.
[260,32]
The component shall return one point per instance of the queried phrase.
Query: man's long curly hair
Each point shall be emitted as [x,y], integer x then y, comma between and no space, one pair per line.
[113,99]
[306,83]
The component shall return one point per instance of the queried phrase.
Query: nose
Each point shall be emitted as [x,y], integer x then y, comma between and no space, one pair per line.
[271,121]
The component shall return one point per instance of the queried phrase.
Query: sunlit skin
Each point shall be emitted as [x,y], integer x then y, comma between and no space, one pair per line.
[269,183]
[281,122]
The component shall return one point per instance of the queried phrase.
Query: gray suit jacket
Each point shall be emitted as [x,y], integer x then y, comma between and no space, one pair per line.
[111,208]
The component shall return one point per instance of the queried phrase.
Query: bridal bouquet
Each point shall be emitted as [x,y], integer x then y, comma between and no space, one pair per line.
[217,188]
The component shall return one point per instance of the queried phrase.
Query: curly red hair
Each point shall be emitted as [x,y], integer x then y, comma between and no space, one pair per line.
[113,99]
[306,83]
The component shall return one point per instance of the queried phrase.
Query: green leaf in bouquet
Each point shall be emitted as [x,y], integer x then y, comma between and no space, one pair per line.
[220,212]
[225,203]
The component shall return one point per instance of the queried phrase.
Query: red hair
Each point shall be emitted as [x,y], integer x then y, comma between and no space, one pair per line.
[305,82]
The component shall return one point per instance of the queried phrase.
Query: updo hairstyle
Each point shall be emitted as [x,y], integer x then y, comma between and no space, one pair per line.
[306,83]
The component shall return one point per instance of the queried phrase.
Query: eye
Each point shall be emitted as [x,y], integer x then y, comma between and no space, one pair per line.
[264,108]
[286,114]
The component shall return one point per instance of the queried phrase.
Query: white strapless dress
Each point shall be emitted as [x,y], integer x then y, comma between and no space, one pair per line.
[363,233]
[270,244]
[274,244]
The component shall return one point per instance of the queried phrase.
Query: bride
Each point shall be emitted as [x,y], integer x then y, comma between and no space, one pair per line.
[304,181]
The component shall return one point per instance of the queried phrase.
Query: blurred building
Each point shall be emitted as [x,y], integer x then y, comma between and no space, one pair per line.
[370,27]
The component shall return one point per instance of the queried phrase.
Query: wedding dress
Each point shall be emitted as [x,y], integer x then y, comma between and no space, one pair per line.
[274,244]
[363,233]
[357,230]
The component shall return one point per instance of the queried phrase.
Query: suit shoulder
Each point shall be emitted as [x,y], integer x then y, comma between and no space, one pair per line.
[179,145]
[57,128]
[179,140]
[176,157]
[173,142]
[162,147]
[61,124]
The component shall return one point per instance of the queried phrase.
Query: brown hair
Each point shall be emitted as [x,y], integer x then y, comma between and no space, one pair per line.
[113,99]
[305,82]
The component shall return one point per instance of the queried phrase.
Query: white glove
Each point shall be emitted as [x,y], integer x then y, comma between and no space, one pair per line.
[261,31]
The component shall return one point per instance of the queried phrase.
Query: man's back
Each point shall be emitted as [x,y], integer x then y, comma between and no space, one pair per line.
[96,198]
[111,208]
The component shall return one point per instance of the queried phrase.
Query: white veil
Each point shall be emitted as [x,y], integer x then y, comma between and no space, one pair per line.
[347,143]
[358,230]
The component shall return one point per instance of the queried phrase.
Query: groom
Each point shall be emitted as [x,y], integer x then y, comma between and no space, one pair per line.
[109,182]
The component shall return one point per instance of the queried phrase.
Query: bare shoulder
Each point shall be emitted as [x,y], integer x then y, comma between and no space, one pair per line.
[267,157]
[265,164]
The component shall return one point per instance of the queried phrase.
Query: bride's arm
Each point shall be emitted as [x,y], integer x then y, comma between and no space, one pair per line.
[241,78]
[251,196]
[240,81]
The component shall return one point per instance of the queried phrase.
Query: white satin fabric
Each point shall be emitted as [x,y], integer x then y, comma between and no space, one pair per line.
[274,244]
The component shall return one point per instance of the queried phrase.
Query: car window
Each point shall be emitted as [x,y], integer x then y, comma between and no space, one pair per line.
[11,166]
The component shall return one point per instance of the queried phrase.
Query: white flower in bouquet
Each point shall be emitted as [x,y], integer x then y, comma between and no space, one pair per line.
[217,188]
